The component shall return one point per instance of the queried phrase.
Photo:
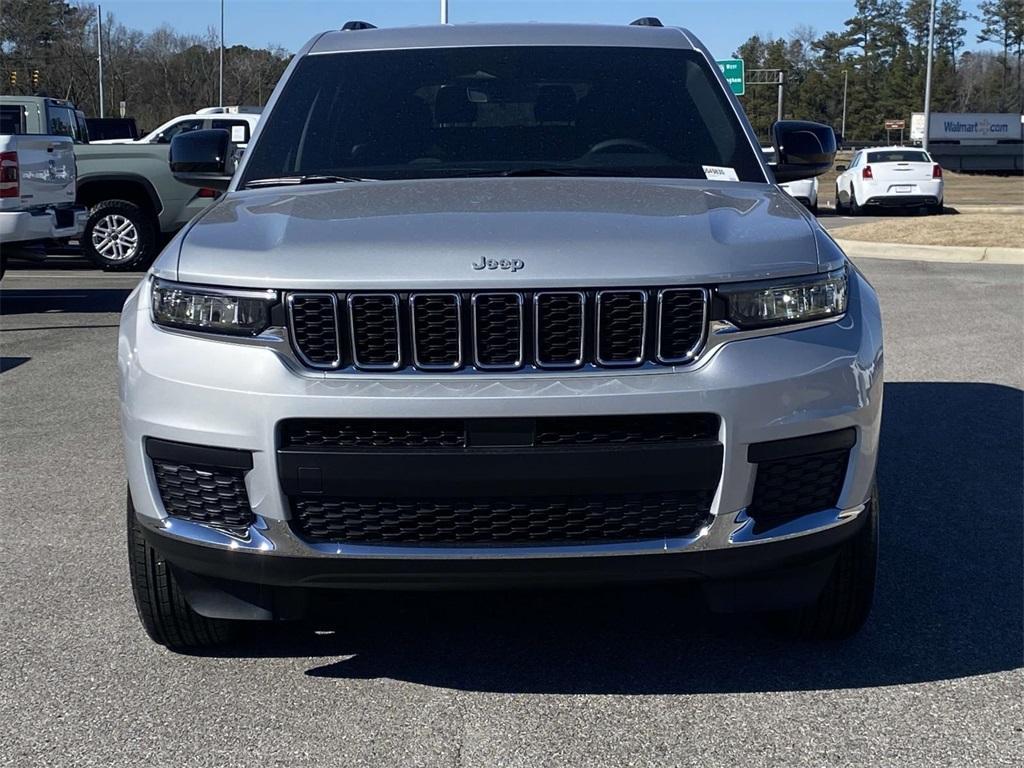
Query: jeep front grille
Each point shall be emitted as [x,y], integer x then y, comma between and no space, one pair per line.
[498,331]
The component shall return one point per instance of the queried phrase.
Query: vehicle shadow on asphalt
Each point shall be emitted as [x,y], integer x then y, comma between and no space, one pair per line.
[949,600]
[61,300]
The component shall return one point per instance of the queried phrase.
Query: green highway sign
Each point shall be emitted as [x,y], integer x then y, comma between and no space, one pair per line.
[735,74]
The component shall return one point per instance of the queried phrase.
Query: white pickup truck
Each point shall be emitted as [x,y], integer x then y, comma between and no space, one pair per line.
[37,193]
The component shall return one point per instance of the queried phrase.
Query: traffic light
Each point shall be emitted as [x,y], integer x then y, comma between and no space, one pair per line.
[35,78]
[14,79]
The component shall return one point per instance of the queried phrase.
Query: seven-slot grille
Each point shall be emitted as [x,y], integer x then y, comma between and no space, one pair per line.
[446,331]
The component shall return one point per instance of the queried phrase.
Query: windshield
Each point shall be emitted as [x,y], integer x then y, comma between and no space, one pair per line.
[441,112]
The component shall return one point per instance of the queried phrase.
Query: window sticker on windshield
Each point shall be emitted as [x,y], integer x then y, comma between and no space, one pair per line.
[718,173]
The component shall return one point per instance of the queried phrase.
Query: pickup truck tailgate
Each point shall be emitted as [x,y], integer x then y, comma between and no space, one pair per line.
[46,171]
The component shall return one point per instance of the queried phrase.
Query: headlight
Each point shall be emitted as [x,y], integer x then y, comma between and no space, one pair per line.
[211,310]
[786,300]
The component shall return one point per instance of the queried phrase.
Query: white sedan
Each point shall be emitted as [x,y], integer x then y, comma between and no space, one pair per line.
[804,191]
[898,177]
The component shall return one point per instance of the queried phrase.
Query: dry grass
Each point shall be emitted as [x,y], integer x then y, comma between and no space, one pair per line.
[981,229]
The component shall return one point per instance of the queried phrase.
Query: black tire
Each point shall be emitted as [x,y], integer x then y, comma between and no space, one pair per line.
[166,616]
[134,249]
[855,207]
[935,210]
[845,602]
[839,202]
[814,208]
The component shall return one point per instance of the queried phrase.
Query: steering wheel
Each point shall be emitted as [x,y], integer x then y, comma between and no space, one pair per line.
[609,144]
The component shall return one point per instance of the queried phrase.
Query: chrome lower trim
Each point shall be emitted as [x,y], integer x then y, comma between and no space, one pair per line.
[275,537]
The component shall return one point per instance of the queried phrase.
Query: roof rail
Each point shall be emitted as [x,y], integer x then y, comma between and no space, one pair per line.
[355,26]
[646,21]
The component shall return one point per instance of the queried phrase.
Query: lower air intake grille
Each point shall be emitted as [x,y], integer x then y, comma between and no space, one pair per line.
[418,434]
[786,488]
[214,496]
[503,521]
[373,433]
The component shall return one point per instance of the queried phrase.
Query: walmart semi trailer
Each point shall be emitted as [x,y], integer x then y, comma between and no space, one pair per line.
[973,141]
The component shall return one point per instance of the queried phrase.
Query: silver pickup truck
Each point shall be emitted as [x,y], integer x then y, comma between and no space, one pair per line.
[133,199]
[37,192]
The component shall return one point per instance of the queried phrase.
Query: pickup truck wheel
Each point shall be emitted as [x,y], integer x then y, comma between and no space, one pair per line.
[166,616]
[844,604]
[119,235]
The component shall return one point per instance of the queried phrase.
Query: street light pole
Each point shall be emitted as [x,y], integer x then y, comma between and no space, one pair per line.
[928,79]
[846,82]
[444,11]
[99,50]
[221,53]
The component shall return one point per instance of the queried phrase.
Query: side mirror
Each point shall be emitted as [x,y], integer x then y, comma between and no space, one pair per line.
[804,149]
[203,158]
[840,168]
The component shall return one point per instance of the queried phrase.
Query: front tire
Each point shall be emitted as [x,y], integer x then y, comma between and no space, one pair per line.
[845,602]
[165,614]
[119,235]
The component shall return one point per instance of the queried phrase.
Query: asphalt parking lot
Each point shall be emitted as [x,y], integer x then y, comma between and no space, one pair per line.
[642,676]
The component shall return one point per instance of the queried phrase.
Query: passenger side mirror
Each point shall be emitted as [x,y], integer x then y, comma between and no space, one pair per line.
[804,149]
[840,168]
[203,158]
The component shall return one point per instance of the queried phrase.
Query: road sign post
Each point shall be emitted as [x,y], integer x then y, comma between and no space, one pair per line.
[735,74]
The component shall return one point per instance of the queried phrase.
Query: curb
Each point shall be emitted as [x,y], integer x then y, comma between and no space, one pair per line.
[862,249]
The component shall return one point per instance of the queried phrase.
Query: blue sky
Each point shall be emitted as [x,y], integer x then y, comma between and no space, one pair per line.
[722,24]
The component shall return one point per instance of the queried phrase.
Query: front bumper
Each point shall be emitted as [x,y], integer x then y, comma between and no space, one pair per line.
[814,380]
[43,224]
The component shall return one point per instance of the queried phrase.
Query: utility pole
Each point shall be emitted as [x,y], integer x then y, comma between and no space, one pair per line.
[782,80]
[99,50]
[221,104]
[846,82]
[928,79]
[444,11]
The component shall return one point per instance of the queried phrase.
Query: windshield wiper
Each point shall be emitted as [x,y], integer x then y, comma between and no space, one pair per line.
[309,178]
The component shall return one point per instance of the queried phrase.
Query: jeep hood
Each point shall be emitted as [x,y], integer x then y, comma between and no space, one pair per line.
[429,233]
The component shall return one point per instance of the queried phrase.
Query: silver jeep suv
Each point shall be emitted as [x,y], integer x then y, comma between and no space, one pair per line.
[500,305]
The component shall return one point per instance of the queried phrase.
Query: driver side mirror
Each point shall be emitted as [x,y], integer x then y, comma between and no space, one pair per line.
[804,149]
[203,158]
[840,168]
